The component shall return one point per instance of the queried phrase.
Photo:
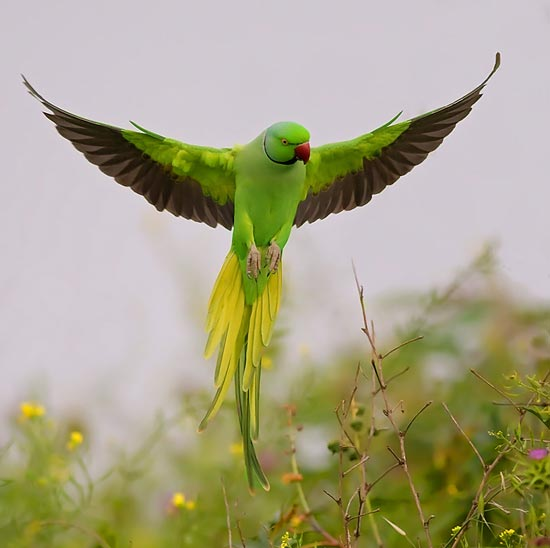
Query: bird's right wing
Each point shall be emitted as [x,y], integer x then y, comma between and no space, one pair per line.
[189,181]
[345,175]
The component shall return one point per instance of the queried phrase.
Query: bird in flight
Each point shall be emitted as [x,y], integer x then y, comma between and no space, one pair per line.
[260,191]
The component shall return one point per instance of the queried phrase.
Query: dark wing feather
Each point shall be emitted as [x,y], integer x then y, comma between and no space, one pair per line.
[377,159]
[106,147]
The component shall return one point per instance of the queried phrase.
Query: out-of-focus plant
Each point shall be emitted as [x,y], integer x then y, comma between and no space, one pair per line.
[435,436]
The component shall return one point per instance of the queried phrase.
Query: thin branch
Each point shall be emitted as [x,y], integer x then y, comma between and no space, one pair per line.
[344,431]
[395,456]
[359,516]
[393,377]
[227,515]
[383,386]
[364,459]
[337,501]
[425,406]
[241,536]
[365,328]
[496,389]
[414,492]
[459,428]
[384,474]
[355,493]
[410,341]
[376,363]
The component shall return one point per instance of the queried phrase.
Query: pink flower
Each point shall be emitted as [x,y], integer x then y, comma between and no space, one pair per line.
[538,454]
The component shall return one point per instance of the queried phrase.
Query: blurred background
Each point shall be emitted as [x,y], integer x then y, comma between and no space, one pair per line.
[103,299]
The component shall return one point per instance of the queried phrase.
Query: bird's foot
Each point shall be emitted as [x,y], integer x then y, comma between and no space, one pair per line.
[253,262]
[273,256]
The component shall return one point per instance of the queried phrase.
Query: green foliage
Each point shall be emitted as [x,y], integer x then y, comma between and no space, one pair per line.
[435,441]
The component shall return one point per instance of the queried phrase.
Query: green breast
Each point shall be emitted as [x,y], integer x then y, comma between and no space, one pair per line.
[267,192]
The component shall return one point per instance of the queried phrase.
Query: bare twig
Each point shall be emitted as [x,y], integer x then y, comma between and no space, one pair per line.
[343,429]
[401,345]
[241,536]
[378,374]
[376,363]
[459,428]
[227,515]
[424,407]
[359,516]
[496,389]
[364,459]
[365,327]
[355,493]
[384,474]
[392,378]
[395,456]
[425,522]
[337,501]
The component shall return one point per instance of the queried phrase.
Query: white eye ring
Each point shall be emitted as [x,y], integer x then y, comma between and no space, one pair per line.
[284,141]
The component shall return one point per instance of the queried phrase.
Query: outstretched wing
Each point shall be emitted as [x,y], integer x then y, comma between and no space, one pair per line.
[345,175]
[189,181]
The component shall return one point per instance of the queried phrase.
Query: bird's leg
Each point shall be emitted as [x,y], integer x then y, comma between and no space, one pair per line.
[253,262]
[273,256]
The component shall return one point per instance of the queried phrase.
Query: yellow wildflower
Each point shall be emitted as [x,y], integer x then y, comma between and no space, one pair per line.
[75,439]
[455,529]
[506,537]
[31,410]
[178,500]
[285,540]
[296,520]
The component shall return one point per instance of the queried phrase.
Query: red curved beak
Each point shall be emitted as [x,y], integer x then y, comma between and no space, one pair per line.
[302,152]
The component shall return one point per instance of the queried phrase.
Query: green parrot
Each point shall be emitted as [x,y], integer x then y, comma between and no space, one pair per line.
[260,190]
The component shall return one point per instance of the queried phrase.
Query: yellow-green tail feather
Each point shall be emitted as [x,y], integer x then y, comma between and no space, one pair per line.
[241,332]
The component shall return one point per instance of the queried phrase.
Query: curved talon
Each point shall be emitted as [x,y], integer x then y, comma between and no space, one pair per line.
[273,256]
[253,262]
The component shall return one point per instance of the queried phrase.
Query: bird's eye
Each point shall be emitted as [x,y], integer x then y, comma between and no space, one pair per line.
[284,141]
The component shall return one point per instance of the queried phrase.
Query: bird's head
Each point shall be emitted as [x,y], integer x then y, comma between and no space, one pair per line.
[286,143]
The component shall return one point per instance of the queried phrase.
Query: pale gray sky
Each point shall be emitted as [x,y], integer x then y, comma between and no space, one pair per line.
[103,296]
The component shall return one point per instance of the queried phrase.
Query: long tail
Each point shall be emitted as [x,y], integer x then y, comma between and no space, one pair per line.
[242,332]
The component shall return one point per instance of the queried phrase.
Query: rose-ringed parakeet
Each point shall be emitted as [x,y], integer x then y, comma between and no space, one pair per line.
[260,190]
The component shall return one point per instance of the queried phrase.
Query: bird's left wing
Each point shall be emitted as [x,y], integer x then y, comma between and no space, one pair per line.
[345,175]
[190,181]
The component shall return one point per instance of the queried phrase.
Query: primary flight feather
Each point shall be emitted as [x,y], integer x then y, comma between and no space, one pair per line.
[260,190]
